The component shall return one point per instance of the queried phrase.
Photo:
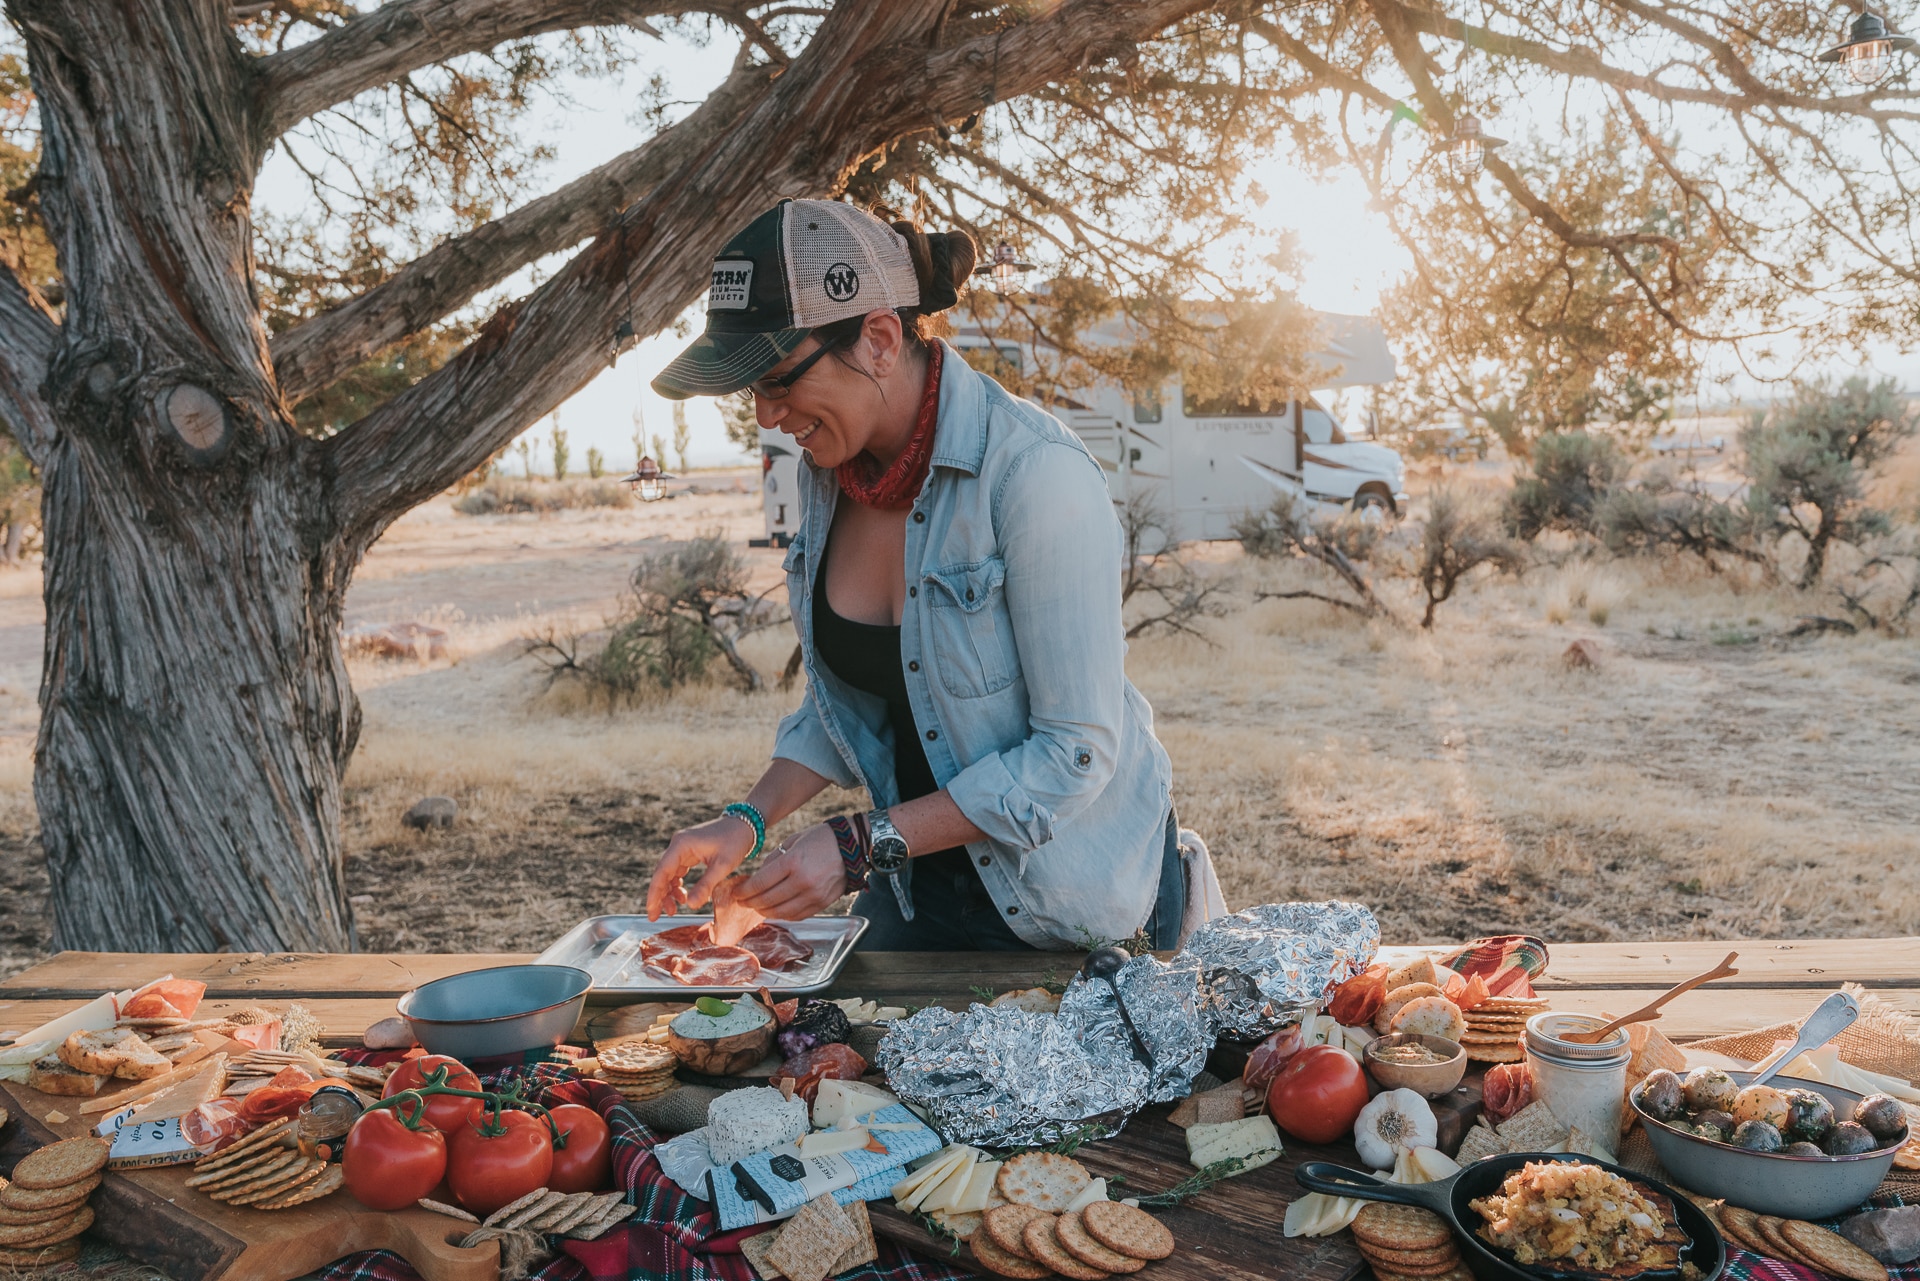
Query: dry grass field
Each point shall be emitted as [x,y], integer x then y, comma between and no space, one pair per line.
[1709,779]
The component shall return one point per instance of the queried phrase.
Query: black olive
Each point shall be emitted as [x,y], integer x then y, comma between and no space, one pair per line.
[1850,1138]
[1882,1115]
[1756,1136]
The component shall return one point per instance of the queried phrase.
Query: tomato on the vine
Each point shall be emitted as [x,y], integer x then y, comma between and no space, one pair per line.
[447,1113]
[388,1166]
[487,1169]
[1317,1094]
[585,1164]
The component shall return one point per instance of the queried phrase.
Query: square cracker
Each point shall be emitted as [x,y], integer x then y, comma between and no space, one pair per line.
[1533,1129]
[862,1252]
[1480,1142]
[813,1239]
[755,1249]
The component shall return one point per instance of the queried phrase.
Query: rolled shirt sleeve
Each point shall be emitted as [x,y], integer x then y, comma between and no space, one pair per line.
[803,739]
[1061,544]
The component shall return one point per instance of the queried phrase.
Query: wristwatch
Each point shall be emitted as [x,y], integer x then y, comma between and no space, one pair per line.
[887,856]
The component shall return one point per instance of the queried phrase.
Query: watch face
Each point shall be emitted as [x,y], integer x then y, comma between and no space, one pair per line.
[889,854]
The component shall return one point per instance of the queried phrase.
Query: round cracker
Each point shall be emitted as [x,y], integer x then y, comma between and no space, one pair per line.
[40,1256]
[1495,1053]
[1127,1230]
[10,1217]
[1739,1223]
[285,1183]
[1431,1016]
[1446,1255]
[638,1056]
[15,1197]
[998,1261]
[271,1132]
[1077,1241]
[326,1185]
[1043,1243]
[1400,1227]
[61,1164]
[1045,1180]
[1420,1271]
[1831,1252]
[1005,1225]
[224,1181]
[19,1236]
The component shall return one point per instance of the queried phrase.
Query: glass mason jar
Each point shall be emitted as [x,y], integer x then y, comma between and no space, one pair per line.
[1585,1086]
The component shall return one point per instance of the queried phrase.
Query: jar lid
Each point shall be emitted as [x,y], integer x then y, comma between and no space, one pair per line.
[1546,1036]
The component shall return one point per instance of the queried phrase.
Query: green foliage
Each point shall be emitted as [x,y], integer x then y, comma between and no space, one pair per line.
[562,454]
[596,463]
[1289,528]
[1459,537]
[743,429]
[19,501]
[1661,514]
[1808,461]
[1572,472]
[512,495]
[682,434]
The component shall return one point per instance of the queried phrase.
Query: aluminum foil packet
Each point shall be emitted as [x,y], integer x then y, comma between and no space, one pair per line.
[1166,1003]
[1001,1077]
[1264,965]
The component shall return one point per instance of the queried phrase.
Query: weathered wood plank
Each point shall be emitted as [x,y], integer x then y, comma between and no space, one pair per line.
[242,974]
[1764,963]
[342,1021]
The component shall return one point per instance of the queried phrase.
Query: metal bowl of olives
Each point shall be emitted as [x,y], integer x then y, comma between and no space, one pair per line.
[1793,1148]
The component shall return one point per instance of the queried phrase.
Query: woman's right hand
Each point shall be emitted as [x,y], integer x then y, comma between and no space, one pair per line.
[721,844]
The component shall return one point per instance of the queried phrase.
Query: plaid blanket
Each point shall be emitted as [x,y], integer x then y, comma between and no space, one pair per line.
[1745,1265]
[671,1236]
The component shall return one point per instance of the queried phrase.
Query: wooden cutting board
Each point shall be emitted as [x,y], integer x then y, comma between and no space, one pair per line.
[1232,1231]
[154,1217]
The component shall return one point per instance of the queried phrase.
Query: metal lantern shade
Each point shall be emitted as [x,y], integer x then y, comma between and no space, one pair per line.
[648,481]
[1005,270]
[1867,52]
[1468,145]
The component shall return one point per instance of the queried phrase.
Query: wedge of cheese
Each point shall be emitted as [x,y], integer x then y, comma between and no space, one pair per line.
[952,1190]
[1094,1191]
[979,1188]
[1244,1138]
[842,1103]
[203,1085]
[938,1166]
[935,1194]
[828,1142]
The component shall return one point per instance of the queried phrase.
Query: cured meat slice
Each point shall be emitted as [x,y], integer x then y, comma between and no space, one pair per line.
[810,1067]
[715,967]
[1505,1091]
[775,945]
[674,942]
[732,921]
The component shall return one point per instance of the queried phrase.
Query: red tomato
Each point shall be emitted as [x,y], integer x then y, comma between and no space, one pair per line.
[1317,1094]
[586,1163]
[446,1113]
[389,1167]
[488,1170]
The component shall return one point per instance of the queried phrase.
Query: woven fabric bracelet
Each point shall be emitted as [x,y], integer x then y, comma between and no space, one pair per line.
[849,834]
[742,810]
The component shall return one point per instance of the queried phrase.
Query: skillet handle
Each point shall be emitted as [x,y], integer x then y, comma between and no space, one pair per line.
[1338,1180]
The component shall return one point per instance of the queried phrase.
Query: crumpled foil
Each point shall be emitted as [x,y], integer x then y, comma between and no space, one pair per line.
[1166,1001]
[1265,964]
[1002,1077]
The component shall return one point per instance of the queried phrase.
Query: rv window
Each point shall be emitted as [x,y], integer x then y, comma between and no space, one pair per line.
[1319,425]
[1229,407]
[1146,405]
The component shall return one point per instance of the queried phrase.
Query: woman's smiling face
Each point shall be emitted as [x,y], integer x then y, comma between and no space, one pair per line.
[834,410]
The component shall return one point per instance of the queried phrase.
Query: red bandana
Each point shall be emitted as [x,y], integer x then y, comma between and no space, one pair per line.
[895,489]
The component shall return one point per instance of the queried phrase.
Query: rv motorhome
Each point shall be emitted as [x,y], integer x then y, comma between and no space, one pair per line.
[1202,463]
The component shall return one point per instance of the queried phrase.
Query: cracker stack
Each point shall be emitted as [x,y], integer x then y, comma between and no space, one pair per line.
[639,1068]
[1497,1027]
[823,1240]
[1404,1241]
[44,1209]
[266,1171]
[1795,1241]
[581,1216]
[1034,1234]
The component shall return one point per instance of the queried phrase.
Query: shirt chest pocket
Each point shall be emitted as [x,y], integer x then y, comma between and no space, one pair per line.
[971,633]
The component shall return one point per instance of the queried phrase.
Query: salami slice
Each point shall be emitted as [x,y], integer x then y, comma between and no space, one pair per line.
[716,967]
[1505,1091]
[674,942]
[776,946]
[810,1067]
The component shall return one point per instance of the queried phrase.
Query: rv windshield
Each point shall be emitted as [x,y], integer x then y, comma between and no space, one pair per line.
[1229,406]
[1319,426]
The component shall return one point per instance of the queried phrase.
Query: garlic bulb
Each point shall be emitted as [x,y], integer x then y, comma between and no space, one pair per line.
[1396,1121]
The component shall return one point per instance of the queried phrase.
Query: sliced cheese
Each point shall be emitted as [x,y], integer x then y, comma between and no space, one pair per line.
[936,1166]
[843,1102]
[828,1142]
[980,1188]
[96,1015]
[203,1086]
[933,1195]
[23,1054]
[948,1196]
[1243,1138]
[1094,1191]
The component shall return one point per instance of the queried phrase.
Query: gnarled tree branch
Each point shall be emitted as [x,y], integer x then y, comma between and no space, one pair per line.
[28,333]
[314,354]
[395,39]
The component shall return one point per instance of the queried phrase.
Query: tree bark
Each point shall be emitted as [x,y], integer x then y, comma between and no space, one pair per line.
[195,710]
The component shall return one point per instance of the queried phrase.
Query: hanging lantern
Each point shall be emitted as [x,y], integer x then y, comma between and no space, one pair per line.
[1467,146]
[1867,52]
[648,481]
[1005,270]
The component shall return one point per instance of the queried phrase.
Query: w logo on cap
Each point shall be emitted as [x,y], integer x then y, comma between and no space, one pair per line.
[841,282]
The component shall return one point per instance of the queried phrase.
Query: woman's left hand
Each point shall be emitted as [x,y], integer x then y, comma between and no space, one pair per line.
[802,878]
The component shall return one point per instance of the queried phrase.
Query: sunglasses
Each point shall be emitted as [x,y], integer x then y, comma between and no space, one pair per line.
[778,388]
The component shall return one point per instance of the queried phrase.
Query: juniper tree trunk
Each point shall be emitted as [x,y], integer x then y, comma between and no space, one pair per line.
[195,710]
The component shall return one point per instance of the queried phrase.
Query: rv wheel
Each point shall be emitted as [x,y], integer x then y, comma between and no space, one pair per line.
[1373,506]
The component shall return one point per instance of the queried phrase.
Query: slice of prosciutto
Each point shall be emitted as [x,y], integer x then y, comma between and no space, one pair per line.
[732,920]
[715,967]
[775,945]
[675,942]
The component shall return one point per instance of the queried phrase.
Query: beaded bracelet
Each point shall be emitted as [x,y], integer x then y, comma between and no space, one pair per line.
[849,832]
[753,819]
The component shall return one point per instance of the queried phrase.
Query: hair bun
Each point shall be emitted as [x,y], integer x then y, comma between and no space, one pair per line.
[942,263]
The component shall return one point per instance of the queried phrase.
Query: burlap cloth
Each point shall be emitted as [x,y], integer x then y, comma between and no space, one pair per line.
[1882,1039]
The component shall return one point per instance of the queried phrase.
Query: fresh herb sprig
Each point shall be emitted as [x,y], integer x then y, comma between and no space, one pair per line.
[1195,1184]
[940,1231]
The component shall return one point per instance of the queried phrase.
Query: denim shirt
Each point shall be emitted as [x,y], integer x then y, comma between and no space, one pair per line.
[1014,654]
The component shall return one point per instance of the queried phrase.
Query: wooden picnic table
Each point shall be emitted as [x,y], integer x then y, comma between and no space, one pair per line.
[1779,981]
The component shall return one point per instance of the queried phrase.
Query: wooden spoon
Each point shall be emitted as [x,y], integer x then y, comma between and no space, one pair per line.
[1651,1010]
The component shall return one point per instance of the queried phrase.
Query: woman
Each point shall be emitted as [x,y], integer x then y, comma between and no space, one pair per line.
[955,586]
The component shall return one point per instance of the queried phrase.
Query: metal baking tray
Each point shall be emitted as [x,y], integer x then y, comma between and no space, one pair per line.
[619,977]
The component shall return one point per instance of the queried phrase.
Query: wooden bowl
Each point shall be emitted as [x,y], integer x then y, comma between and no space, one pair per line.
[1429,1079]
[726,1055]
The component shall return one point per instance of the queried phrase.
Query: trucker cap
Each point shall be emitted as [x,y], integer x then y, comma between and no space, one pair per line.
[801,264]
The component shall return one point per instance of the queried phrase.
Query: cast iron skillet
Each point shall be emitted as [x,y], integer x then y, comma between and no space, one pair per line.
[1449,1199]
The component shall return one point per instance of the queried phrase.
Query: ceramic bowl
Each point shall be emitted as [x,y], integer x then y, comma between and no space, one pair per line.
[1429,1079]
[510,1009]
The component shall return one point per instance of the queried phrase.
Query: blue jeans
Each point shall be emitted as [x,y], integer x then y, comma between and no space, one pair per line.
[952,911]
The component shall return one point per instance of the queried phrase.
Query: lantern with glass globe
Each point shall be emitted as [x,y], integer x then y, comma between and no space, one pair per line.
[1867,52]
[1006,269]
[1467,146]
[648,481]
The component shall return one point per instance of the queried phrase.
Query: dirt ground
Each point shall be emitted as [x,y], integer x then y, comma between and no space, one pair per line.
[1708,779]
